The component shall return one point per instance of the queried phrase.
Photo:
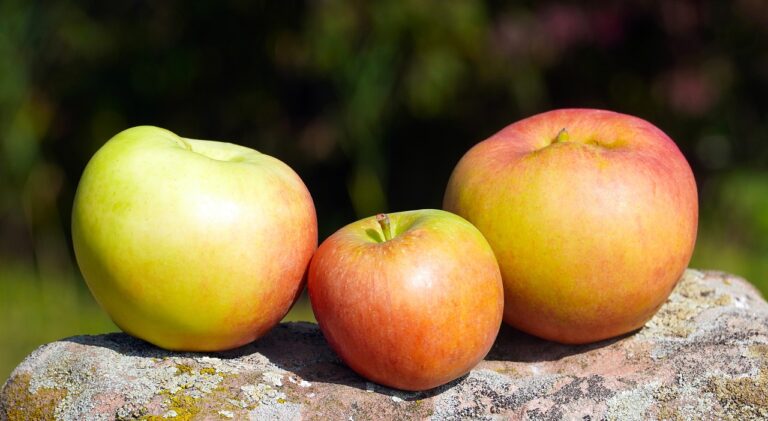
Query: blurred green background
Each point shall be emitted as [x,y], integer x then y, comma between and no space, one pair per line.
[372,103]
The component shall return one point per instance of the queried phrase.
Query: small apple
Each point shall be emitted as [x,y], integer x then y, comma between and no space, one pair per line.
[592,215]
[410,300]
[190,244]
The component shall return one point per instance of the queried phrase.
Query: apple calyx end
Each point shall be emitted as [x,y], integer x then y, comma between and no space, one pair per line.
[562,136]
[386,227]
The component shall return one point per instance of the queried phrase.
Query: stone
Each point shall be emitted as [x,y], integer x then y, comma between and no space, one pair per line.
[703,356]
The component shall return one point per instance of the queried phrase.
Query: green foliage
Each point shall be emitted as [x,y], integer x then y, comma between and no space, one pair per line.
[372,103]
[733,232]
[35,310]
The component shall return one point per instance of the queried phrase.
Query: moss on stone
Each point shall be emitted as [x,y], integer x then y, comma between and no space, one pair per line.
[724,300]
[208,370]
[719,372]
[20,404]
[665,397]
[686,302]
[509,371]
[184,369]
[669,413]
[745,397]
[185,407]
[761,352]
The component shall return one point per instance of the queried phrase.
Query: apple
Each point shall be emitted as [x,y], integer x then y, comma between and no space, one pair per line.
[191,245]
[592,215]
[410,300]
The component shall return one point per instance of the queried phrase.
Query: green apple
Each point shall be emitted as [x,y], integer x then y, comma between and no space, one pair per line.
[191,244]
[592,215]
[411,300]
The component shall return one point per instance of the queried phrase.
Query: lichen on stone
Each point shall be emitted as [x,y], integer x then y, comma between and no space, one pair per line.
[704,355]
[182,408]
[20,404]
[208,370]
[745,397]
[183,369]
[687,301]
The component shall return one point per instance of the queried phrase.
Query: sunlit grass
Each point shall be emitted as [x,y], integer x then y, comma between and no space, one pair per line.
[734,259]
[34,311]
[733,229]
[301,311]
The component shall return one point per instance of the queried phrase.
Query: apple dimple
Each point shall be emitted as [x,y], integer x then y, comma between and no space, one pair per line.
[564,137]
[220,151]
[183,143]
[384,228]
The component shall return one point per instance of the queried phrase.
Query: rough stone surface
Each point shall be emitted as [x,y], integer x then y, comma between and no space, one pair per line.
[704,356]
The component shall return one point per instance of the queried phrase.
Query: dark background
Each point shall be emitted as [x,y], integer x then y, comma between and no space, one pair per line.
[372,103]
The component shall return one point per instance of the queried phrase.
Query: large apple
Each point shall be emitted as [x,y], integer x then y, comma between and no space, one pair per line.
[592,215]
[190,244]
[411,301]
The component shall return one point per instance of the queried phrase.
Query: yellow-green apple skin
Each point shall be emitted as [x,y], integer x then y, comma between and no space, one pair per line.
[592,215]
[414,311]
[190,244]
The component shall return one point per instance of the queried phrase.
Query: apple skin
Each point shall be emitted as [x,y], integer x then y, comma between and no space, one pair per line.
[190,244]
[414,312]
[591,232]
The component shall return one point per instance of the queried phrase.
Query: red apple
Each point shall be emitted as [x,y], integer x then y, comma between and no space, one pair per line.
[592,215]
[412,302]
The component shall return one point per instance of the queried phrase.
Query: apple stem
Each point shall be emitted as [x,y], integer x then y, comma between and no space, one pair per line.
[562,136]
[386,228]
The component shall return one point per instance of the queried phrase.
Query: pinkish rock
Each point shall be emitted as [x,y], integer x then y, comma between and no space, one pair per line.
[703,356]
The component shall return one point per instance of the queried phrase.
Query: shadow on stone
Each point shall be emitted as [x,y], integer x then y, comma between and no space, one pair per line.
[300,348]
[517,346]
[126,345]
[712,332]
